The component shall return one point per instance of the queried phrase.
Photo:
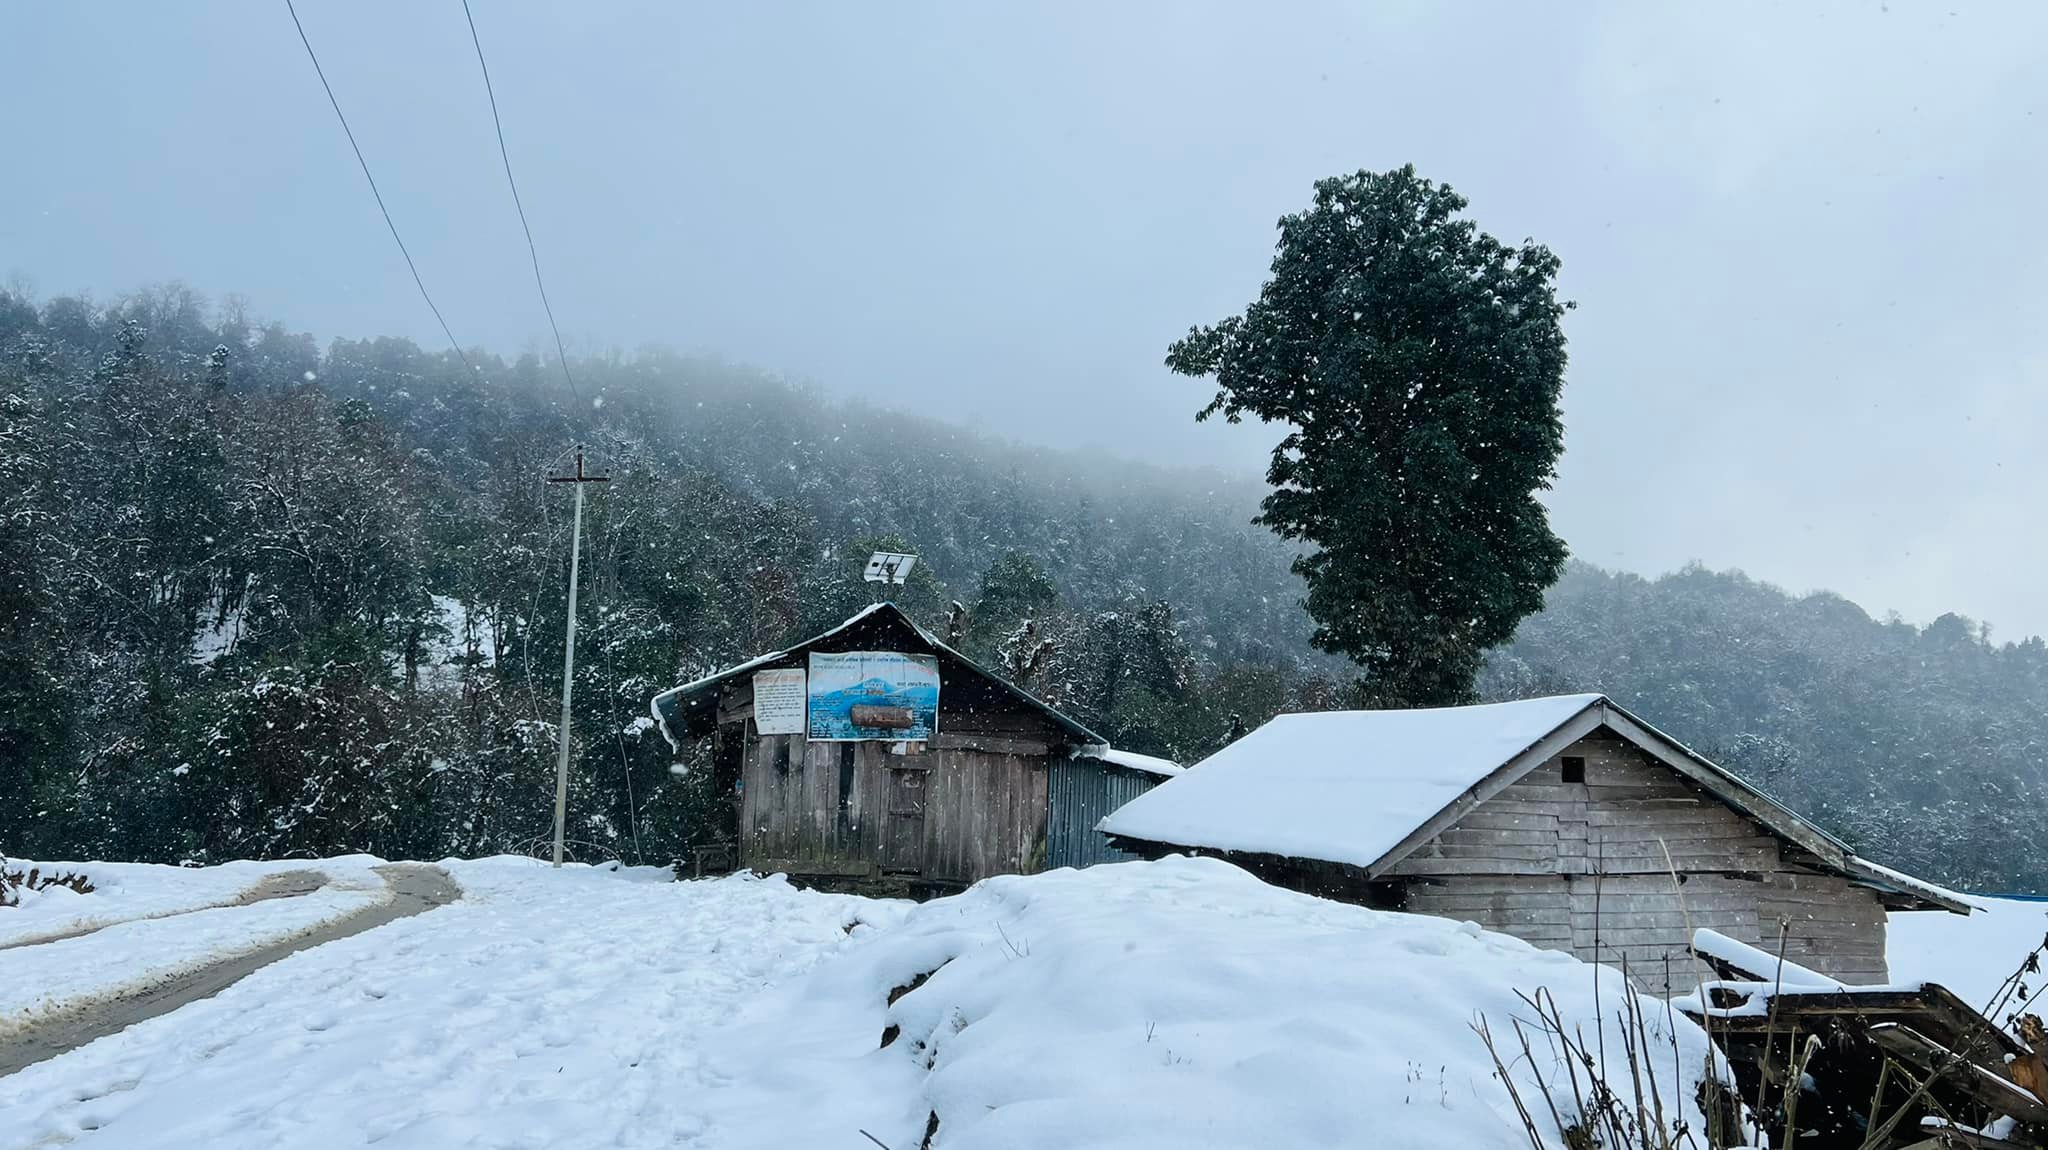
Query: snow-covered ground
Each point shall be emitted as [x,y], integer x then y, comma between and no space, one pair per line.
[1179,1003]
[44,978]
[1972,956]
[123,892]
[1170,1004]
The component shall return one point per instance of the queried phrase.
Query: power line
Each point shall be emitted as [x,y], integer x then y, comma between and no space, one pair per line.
[505,155]
[365,164]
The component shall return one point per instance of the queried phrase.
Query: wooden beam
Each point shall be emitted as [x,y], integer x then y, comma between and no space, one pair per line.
[1998,1094]
[1731,790]
[993,744]
[797,868]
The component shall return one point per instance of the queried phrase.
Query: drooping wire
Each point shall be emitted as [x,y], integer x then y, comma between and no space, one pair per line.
[365,165]
[504,154]
[610,550]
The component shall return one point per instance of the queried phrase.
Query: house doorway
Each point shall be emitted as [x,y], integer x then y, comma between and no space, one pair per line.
[903,837]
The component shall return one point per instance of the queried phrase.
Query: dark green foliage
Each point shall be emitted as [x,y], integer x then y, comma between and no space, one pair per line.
[1013,589]
[259,601]
[1925,747]
[379,546]
[1418,363]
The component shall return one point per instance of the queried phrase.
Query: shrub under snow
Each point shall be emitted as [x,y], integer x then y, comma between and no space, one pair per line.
[1177,1004]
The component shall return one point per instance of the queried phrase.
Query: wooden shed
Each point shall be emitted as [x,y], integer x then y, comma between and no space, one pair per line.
[1564,821]
[920,786]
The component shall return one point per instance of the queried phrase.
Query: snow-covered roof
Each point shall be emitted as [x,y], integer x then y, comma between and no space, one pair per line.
[1364,788]
[1339,786]
[1165,768]
[701,692]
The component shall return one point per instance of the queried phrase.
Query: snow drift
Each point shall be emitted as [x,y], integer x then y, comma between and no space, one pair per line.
[1178,1003]
[1172,1004]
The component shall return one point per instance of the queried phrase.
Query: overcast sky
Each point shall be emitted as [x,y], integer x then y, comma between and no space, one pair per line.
[1806,242]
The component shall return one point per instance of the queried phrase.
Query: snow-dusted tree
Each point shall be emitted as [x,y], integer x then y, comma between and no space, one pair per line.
[1014,589]
[1417,363]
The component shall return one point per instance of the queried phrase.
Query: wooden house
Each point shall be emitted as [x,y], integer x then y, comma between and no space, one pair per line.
[1564,821]
[896,791]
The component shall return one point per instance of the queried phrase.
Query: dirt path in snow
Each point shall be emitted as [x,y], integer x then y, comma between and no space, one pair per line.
[413,889]
[284,884]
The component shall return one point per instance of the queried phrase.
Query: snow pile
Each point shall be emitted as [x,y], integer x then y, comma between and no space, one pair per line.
[126,891]
[1776,969]
[1172,1004]
[144,923]
[1971,956]
[545,1008]
[1342,786]
[46,978]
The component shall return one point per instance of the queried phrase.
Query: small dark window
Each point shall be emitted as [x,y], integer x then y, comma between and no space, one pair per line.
[1574,769]
[782,756]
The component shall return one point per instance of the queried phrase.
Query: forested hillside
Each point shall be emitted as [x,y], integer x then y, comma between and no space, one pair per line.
[261,599]
[1924,747]
[265,600]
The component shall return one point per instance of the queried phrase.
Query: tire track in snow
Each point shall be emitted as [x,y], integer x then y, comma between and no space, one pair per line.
[413,889]
[284,884]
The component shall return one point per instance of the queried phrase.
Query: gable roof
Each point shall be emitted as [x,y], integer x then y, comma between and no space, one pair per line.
[1367,788]
[693,706]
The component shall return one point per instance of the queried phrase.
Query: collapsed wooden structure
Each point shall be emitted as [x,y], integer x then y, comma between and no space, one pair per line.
[1890,1067]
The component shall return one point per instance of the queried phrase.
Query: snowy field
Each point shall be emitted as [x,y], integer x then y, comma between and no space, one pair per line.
[124,892]
[1171,1004]
[1971,956]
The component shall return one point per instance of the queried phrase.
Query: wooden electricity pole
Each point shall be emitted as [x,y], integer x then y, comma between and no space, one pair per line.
[569,648]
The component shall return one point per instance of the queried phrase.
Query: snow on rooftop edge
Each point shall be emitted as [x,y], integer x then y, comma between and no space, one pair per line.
[697,684]
[1166,768]
[1339,786]
[1909,884]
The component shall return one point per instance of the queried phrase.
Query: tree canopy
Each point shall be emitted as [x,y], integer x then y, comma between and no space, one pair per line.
[1417,363]
[261,599]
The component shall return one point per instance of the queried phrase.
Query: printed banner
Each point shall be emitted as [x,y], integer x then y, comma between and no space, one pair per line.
[873,695]
[779,702]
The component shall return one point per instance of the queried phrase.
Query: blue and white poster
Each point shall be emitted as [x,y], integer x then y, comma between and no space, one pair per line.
[873,695]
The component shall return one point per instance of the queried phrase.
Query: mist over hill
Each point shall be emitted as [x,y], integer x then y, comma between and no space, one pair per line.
[261,598]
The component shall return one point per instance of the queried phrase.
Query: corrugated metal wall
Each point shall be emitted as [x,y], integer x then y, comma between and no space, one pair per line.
[1083,792]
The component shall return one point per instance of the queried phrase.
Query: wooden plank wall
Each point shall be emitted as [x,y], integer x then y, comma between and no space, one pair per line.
[984,815]
[985,798]
[1556,863]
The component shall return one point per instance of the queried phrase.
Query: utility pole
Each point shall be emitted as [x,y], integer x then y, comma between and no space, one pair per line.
[569,649]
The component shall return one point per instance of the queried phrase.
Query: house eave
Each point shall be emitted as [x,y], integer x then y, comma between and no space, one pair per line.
[708,686]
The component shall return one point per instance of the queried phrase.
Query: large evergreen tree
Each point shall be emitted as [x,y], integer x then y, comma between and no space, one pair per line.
[1418,363]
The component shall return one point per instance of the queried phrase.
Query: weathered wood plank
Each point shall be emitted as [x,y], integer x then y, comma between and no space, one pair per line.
[1497,836]
[1472,866]
[1491,817]
[1529,901]
[991,743]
